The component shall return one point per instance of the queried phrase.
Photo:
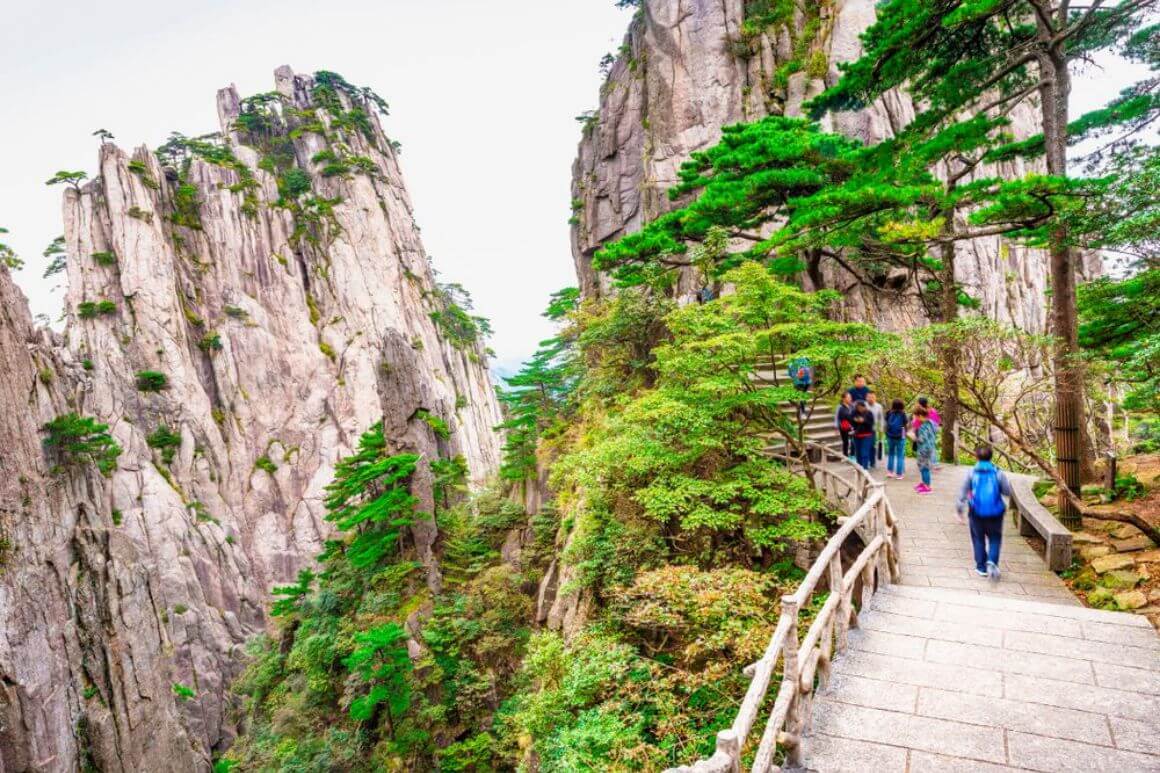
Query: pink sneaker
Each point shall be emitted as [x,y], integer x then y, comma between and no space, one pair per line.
[922,488]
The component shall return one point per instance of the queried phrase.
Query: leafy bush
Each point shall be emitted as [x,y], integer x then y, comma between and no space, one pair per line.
[75,440]
[166,441]
[265,464]
[104,258]
[210,342]
[151,381]
[91,309]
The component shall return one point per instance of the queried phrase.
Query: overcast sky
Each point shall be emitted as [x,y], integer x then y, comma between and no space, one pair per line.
[483,97]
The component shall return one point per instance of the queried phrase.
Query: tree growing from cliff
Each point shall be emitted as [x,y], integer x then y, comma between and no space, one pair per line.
[104,135]
[963,57]
[74,440]
[57,257]
[8,257]
[68,178]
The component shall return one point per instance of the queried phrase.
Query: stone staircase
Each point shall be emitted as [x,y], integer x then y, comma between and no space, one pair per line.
[819,424]
[937,679]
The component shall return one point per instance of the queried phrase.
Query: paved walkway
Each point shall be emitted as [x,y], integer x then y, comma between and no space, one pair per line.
[950,673]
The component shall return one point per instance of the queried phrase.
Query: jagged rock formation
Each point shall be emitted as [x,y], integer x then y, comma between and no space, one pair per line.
[278,281]
[689,67]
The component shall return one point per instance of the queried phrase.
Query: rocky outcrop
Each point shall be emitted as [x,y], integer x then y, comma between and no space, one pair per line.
[689,67]
[276,281]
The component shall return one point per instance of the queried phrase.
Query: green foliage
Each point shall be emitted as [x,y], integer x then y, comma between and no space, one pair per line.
[93,309]
[210,342]
[437,425]
[166,441]
[451,315]
[182,692]
[104,258]
[1120,321]
[151,381]
[8,256]
[265,464]
[68,178]
[57,257]
[74,440]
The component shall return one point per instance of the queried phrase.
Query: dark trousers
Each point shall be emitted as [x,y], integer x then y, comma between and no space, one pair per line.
[847,443]
[864,451]
[986,538]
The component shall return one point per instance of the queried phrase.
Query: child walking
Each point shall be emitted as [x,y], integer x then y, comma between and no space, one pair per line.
[982,496]
[895,428]
[862,422]
[842,424]
[879,425]
[925,438]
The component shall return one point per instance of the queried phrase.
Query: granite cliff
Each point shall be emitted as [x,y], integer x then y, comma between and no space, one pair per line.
[240,308]
[689,67]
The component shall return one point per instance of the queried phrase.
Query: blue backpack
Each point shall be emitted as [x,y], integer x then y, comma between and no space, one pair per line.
[986,498]
[800,372]
[896,424]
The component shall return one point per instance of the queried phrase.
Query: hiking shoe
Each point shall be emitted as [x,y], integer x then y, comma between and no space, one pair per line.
[981,572]
[992,572]
[922,488]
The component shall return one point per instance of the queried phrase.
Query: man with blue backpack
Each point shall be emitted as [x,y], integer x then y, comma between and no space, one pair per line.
[982,496]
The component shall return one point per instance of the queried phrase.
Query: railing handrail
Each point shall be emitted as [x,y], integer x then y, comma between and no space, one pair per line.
[788,717]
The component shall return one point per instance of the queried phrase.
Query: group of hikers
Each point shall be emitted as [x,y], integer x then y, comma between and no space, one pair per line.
[863,424]
[868,430]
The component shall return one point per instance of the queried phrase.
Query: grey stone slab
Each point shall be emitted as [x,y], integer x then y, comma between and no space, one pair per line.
[888,602]
[1062,646]
[1015,715]
[913,732]
[827,754]
[861,691]
[1126,678]
[1023,606]
[1034,578]
[919,673]
[1010,661]
[913,578]
[1011,621]
[888,643]
[932,629]
[925,762]
[1101,700]
[1137,736]
[1138,637]
[1052,755]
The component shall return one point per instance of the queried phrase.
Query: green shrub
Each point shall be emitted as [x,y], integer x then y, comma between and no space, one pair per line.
[87,364]
[1128,487]
[76,440]
[293,183]
[235,312]
[118,516]
[327,349]
[265,463]
[182,692]
[210,342]
[166,441]
[104,258]
[91,309]
[151,381]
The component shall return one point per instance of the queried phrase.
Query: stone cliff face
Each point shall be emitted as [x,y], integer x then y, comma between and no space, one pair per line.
[689,67]
[277,280]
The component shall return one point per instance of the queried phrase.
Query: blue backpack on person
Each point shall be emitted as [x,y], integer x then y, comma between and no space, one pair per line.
[986,497]
[896,424]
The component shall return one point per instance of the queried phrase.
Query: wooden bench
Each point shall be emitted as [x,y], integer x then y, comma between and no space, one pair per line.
[1033,519]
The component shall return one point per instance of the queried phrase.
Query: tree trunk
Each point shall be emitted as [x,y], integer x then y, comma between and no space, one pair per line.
[948,349]
[1068,368]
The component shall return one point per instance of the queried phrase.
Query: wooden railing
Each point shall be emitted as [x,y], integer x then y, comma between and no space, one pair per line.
[806,661]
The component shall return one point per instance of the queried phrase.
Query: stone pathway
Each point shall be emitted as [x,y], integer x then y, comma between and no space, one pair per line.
[950,673]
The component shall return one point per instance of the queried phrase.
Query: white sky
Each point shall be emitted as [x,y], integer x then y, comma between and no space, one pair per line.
[483,97]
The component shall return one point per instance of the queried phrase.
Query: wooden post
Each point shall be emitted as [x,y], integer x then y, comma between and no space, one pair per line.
[729,745]
[842,623]
[1110,481]
[791,675]
[880,530]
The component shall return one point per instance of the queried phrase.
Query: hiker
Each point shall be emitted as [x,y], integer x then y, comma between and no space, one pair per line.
[859,391]
[705,294]
[801,373]
[982,497]
[842,424]
[895,430]
[936,419]
[924,437]
[862,422]
[879,424]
